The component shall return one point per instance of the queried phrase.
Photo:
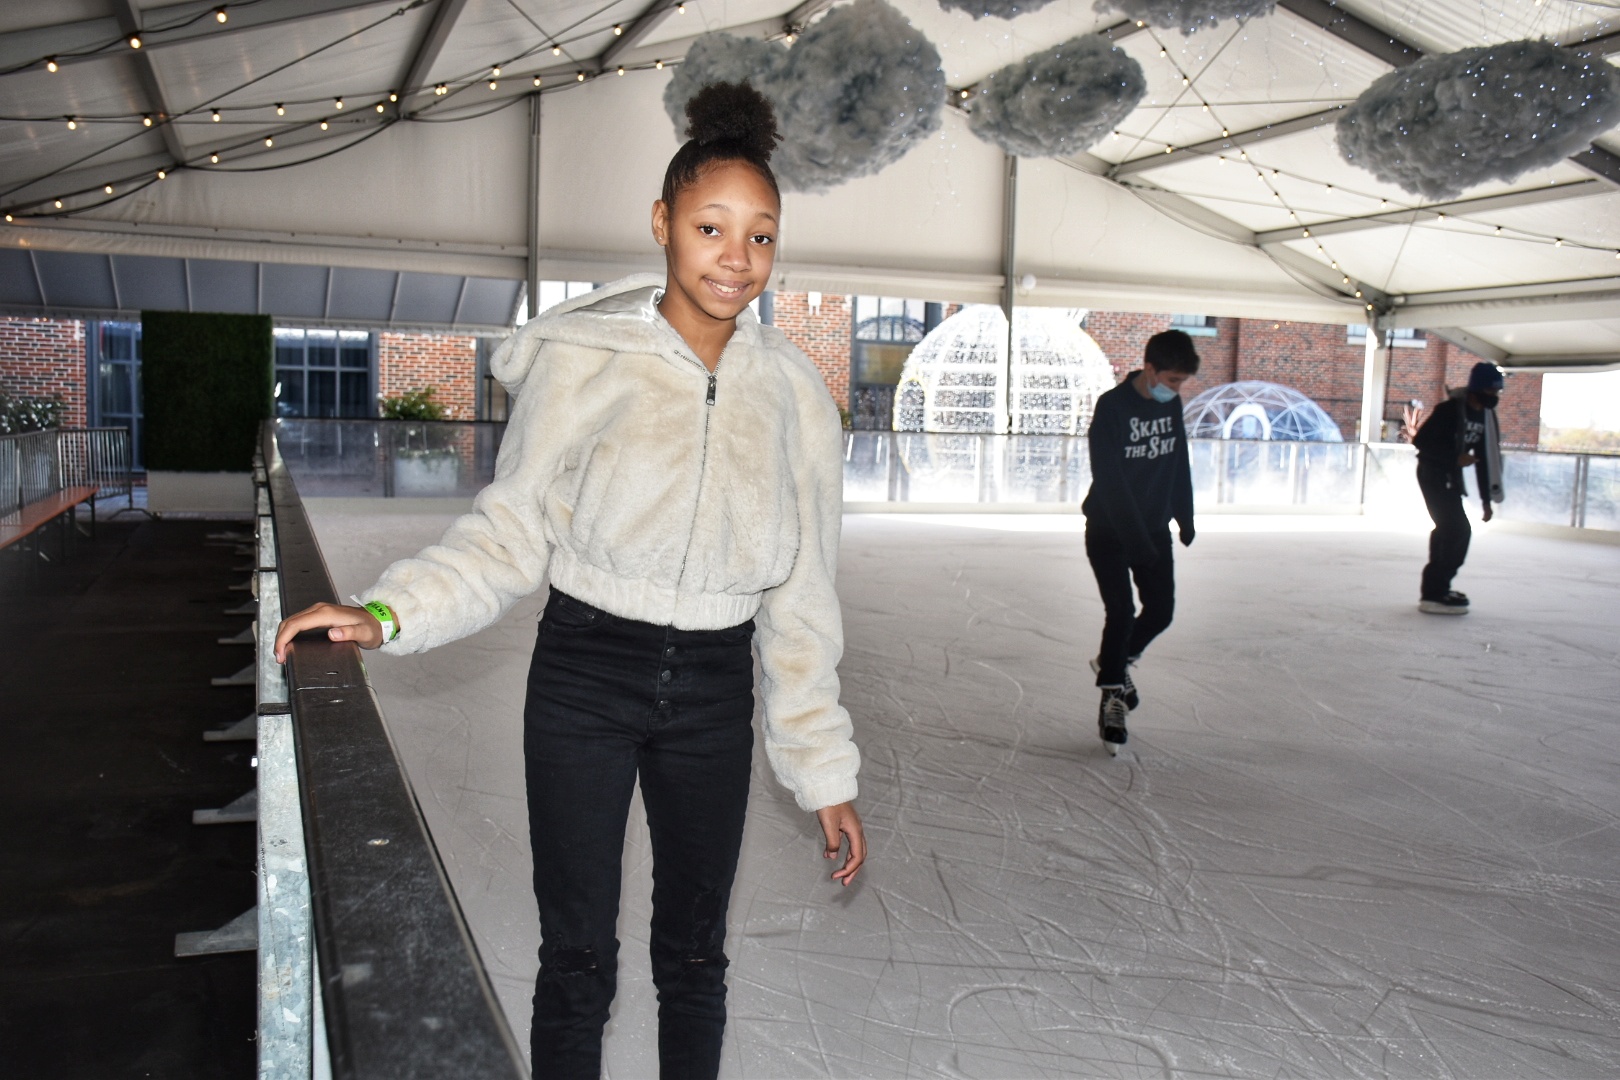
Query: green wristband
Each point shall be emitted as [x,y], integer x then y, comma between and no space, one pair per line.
[385,615]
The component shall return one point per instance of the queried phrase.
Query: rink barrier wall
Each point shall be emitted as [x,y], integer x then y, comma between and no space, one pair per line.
[400,991]
[917,472]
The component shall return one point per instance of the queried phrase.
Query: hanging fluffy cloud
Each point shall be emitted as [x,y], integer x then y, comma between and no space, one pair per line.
[858,90]
[721,58]
[1494,112]
[1059,101]
[1188,16]
[1001,9]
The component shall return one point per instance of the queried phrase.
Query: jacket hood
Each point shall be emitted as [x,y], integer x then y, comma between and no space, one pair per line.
[621,316]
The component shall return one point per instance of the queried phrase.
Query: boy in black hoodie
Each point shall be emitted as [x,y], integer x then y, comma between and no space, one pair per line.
[1461,431]
[1141,477]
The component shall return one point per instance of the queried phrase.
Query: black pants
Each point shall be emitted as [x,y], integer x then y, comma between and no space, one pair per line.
[1126,633]
[1448,543]
[612,700]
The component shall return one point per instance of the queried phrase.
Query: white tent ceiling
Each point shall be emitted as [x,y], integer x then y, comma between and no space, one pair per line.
[1167,216]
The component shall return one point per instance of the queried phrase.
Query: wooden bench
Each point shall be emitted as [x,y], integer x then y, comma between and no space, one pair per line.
[41,512]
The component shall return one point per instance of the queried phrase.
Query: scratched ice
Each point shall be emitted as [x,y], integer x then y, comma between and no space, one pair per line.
[1346,839]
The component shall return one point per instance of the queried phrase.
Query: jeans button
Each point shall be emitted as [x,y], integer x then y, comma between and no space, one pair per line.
[664,676]
[669,653]
[662,704]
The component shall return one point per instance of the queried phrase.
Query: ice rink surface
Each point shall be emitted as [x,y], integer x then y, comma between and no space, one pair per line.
[1346,839]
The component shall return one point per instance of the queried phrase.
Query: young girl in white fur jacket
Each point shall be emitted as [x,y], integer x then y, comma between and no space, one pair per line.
[674,470]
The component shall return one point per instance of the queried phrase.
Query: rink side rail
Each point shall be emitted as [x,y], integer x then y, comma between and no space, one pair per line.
[404,992]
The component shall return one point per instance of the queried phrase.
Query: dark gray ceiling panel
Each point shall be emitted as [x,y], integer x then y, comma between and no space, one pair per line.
[297,292]
[225,287]
[146,283]
[489,301]
[17,284]
[76,280]
[362,294]
[427,298]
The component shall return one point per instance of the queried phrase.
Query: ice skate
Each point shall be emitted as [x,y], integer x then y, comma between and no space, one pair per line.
[1453,603]
[1111,715]
[1132,699]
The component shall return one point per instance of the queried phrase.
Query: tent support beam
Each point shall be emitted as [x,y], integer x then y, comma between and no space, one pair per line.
[1242,139]
[129,24]
[1009,281]
[1329,16]
[637,31]
[1573,189]
[427,52]
[532,275]
[1374,385]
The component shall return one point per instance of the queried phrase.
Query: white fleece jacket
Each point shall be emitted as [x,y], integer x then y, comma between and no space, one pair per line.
[655,491]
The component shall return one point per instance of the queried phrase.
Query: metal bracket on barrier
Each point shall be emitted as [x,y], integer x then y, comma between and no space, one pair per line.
[241,934]
[241,809]
[243,730]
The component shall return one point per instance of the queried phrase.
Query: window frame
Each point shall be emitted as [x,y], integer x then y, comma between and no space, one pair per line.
[338,369]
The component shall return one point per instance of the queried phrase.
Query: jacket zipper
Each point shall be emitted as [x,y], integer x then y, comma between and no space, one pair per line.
[703,467]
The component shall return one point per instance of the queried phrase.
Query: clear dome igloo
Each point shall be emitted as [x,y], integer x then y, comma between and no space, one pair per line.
[1258,410]
[952,381]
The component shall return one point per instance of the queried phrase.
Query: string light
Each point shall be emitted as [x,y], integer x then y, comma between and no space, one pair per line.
[790,38]
[163,174]
[281,110]
[58,204]
[380,106]
[580,76]
[556,50]
[440,90]
[537,80]
[393,95]
[495,72]
[219,15]
[337,103]
[135,42]
[50,63]
[216,116]
[621,70]
[324,125]
[107,188]
[660,66]
[213,159]
[8,219]
[680,9]
[269,142]
[73,125]
[146,121]
[617,29]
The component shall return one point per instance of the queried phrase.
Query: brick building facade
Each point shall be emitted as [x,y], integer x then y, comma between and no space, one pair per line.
[45,358]
[822,331]
[448,363]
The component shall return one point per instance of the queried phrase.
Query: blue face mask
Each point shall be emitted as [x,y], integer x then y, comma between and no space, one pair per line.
[1162,394]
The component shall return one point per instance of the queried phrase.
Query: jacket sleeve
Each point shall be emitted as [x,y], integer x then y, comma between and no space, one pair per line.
[1181,496]
[495,554]
[808,734]
[1105,440]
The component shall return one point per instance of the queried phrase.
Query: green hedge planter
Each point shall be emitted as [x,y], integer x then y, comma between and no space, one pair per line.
[206,384]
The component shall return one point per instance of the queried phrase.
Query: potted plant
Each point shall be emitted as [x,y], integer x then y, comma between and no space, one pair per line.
[424,462]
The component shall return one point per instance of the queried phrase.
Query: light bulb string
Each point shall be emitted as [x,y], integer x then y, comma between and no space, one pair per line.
[1188,82]
[122,40]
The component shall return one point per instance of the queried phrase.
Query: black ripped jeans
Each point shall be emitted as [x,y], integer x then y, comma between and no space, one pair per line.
[1126,633]
[612,701]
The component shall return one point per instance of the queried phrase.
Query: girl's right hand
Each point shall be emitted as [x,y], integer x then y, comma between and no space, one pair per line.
[342,623]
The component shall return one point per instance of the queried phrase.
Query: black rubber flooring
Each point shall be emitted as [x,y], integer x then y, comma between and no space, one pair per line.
[105,661]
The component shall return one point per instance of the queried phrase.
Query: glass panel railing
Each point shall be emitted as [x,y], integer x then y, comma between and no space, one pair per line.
[410,459]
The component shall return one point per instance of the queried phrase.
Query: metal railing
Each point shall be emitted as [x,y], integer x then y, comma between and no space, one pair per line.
[360,936]
[41,463]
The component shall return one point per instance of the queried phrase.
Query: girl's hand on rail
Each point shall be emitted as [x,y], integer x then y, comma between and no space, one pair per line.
[837,823]
[341,622]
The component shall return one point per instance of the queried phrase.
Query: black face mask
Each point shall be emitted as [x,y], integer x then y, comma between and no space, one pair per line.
[1486,401]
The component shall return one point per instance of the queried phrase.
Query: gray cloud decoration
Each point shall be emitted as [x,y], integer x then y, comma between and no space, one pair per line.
[1494,112]
[1059,101]
[1188,16]
[859,89]
[1000,9]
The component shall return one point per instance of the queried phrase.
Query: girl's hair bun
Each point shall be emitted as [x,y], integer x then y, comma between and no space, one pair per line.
[734,114]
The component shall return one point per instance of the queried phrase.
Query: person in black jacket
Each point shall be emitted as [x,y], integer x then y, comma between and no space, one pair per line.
[1141,477]
[1461,431]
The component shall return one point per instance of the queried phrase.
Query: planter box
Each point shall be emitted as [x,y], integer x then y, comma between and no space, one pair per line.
[427,474]
[199,492]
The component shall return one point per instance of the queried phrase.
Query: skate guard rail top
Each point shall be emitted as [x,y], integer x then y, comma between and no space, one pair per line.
[892,470]
[402,987]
